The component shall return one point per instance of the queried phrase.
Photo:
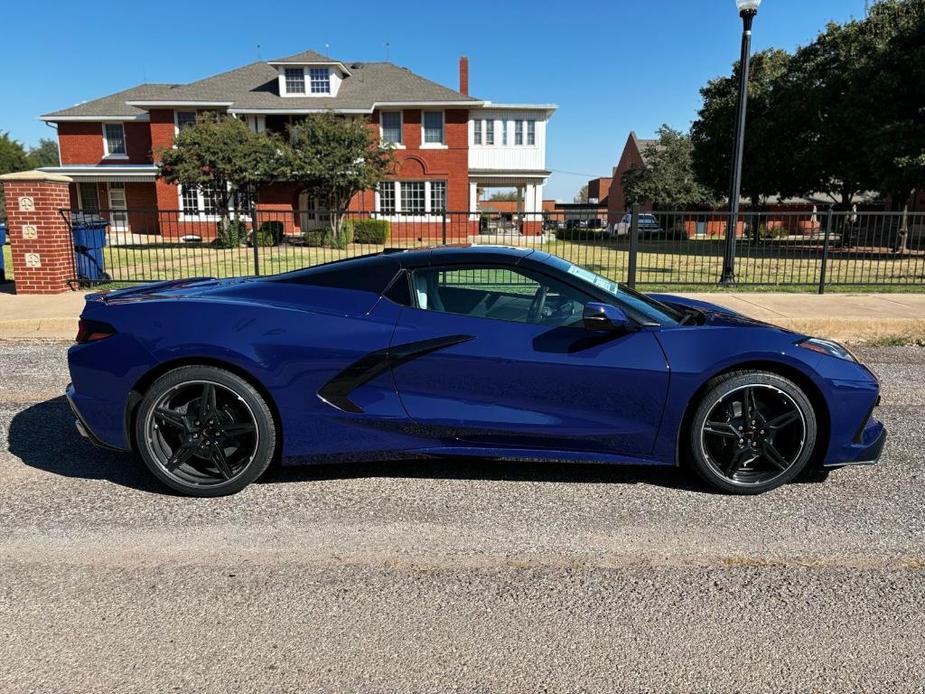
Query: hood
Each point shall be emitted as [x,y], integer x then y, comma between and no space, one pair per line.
[715,314]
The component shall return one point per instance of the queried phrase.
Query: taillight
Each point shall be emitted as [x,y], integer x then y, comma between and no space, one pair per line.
[93,330]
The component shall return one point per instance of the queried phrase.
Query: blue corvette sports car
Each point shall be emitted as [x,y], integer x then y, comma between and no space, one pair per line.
[458,351]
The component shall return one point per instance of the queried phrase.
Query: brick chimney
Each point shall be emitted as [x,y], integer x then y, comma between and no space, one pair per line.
[464,75]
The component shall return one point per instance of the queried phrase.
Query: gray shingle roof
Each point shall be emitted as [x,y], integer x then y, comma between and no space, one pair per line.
[114,104]
[255,86]
[308,56]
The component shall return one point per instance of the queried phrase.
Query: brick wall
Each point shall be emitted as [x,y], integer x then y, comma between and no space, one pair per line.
[82,143]
[40,238]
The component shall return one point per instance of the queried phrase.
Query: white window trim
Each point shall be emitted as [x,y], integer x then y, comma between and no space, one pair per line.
[124,227]
[334,80]
[397,216]
[308,81]
[80,199]
[433,145]
[305,84]
[106,153]
[401,128]
[478,132]
[201,206]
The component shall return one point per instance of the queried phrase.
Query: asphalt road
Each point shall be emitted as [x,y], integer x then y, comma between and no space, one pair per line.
[472,576]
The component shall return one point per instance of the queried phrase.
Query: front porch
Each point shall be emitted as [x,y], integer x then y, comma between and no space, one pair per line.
[522,216]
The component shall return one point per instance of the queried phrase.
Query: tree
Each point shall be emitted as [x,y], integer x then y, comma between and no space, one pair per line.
[44,154]
[667,180]
[333,158]
[766,150]
[12,158]
[223,156]
[504,196]
[893,80]
[582,195]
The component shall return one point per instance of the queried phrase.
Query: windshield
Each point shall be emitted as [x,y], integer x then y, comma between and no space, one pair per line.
[642,307]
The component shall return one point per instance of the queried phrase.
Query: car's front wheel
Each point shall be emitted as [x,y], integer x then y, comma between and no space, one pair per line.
[752,432]
[205,431]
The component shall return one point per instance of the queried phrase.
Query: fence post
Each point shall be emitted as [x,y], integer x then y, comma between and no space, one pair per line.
[254,237]
[825,250]
[634,247]
[443,235]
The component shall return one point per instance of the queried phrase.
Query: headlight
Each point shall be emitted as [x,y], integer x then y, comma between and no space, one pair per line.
[827,347]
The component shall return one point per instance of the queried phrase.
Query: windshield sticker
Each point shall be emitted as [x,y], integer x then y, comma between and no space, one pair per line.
[598,281]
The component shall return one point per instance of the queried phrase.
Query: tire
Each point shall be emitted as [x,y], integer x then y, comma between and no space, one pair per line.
[752,432]
[204,431]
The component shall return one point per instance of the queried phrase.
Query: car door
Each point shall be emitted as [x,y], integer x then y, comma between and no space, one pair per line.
[483,365]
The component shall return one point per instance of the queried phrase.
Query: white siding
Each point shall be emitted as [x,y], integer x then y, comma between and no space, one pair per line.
[508,157]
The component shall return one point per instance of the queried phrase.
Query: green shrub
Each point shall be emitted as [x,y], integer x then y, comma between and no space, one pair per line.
[577,234]
[232,235]
[315,237]
[374,231]
[269,234]
[777,232]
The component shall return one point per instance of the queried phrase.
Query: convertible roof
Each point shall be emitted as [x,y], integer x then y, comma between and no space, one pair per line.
[374,272]
[463,253]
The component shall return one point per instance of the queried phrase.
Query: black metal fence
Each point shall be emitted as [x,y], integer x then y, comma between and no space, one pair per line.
[676,250]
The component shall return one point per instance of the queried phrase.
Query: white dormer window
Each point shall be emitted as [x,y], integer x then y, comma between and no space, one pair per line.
[320,80]
[295,80]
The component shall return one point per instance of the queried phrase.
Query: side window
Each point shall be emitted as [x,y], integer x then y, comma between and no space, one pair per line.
[499,293]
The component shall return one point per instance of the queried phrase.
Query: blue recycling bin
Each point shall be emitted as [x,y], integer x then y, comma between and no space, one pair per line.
[89,231]
[2,244]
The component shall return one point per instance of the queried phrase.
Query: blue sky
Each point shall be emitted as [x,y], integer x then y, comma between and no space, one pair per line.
[611,66]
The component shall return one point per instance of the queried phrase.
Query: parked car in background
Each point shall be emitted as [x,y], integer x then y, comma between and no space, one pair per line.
[649,226]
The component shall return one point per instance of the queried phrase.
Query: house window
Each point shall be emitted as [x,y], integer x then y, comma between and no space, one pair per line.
[88,199]
[387,197]
[505,124]
[390,122]
[295,80]
[205,200]
[114,139]
[489,132]
[189,200]
[185,119]
[518,132]
[437,196]
[433,127]
[531,132]
[412,197]
[320,80]
[476,132]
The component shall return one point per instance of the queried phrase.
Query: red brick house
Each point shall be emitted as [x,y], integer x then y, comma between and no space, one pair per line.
[448,144]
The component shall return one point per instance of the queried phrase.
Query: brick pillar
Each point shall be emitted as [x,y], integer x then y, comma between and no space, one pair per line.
[40,238]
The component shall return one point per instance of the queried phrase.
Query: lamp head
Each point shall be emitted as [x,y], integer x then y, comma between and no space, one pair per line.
[748,6]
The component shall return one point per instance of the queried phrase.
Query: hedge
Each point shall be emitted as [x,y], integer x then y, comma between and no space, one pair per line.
[374,231]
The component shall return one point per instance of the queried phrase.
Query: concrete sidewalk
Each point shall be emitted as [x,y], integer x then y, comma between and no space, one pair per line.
[854,318]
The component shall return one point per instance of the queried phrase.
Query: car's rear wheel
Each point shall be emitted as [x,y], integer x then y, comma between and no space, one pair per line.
[752,432]
[205,431]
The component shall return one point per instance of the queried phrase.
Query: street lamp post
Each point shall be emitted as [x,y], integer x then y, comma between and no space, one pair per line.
[747,10]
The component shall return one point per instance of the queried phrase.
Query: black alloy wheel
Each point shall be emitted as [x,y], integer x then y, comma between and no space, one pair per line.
[204,431]
[752,432]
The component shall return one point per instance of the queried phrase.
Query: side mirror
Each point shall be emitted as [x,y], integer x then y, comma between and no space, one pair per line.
[605,317]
